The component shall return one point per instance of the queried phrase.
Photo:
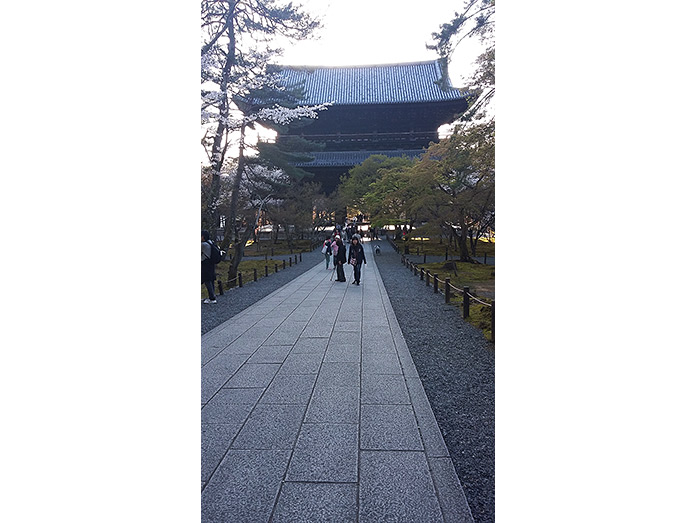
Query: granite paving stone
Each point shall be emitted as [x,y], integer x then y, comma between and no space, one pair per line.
[286,333]
[343,353]
[235,396]
[383,389]
[270,426]
[340,374]
[302,313]
[325,452]
[318,329]
[254,375]
[317,503]
[294,389]
[348,326]
[224,412]
[302,363]
[217,372]
[312,410]
[244,345]
[396,486]
[453,501]
[346,337]
[244,487]
[215,441]
[389,427]
[270,354]
[431,435]
[332,404]
[310,345]
[385,363]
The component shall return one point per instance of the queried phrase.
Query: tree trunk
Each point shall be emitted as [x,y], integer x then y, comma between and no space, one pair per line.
[231,223]
[237,254]
[461,242]
[218,151]
[289,237]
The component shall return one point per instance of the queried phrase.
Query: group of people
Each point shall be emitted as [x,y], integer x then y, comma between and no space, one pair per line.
[334,248]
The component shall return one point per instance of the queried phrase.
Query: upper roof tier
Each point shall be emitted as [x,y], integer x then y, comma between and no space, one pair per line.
[415,82]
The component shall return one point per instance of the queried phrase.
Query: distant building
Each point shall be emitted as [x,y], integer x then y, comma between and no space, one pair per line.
[393,109]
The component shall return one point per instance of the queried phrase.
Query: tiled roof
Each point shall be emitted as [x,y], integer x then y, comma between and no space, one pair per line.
[351,158]
[371,84]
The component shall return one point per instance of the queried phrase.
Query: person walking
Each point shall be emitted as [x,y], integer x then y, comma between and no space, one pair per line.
[327,250]
[356,256]
[340,259]
[207,267]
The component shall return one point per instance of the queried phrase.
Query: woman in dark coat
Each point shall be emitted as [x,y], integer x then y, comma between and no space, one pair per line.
[340,259]
[207,267]
[356,256]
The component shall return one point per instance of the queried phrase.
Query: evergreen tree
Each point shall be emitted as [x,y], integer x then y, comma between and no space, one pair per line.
[236,50]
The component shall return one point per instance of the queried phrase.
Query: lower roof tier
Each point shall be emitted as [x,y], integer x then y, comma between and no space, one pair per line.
[353,158]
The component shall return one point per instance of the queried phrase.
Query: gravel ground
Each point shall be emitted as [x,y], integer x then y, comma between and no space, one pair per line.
[236,300]
[456,366]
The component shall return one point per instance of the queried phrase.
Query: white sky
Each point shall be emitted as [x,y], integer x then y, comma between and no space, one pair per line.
[361,32]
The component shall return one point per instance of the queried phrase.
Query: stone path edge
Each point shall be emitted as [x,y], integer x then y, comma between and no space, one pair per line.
[451,495]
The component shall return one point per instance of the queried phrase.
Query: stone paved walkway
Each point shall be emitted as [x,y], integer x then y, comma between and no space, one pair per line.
[312,410]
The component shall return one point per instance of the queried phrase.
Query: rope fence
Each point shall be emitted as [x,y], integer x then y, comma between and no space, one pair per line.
[448,289]
[239,280]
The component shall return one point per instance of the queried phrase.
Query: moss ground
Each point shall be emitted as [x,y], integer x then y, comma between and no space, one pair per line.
[480,280]
[434,247]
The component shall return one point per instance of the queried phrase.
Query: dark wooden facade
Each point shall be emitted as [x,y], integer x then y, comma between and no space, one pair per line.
[393,109]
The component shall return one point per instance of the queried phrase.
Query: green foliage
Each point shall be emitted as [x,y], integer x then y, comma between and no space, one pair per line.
[477,19]
[354,187]
[450,189]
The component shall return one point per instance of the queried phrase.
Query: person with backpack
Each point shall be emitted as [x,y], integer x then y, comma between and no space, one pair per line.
[209,252]
[356,257]
[339,258]
[327,250]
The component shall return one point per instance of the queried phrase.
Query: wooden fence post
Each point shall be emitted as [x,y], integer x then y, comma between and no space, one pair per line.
[466,303]
[275,267]
[290,261]
[284,264]
[296,259]
[435,283]
[266,270]
[239,279]
[301,256]
[220,287]
[447,290]
[428,276]
[422,273]
[255,275]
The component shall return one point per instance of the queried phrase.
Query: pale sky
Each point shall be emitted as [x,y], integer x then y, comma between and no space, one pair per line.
[361,32]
